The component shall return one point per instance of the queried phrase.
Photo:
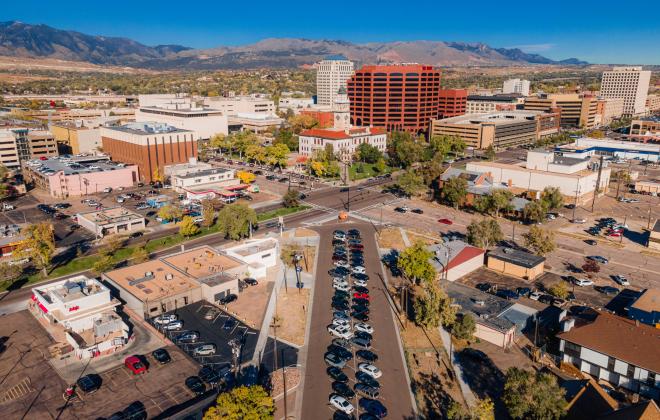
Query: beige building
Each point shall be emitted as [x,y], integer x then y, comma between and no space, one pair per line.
[515,263]
[499,129]
[609,109]
[18,145]
[652,104]
[78,138]
[331,75]
[654,236]
[629,83]
[575,178]
[481,104]
[241,104]
[648,187]
[577,111]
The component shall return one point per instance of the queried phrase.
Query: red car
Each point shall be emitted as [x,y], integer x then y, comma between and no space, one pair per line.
[135,365]
[358,295]
[445,221]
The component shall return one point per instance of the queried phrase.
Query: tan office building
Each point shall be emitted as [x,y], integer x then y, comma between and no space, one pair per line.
[629,83]
[77,139]
[577,111]
[499,129]
[609,109]
[18,145]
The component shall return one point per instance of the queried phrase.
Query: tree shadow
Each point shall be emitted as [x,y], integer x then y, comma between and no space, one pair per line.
[436,399]
[484,378]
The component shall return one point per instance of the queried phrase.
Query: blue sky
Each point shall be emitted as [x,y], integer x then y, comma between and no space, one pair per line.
[602,31]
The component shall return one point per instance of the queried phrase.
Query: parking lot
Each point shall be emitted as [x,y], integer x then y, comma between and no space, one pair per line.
[31,388]
[317,383]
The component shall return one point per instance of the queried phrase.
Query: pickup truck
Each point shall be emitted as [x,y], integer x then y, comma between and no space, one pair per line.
[7,207]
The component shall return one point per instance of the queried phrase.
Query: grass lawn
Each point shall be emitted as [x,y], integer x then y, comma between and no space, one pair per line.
[79,264]
[367,172]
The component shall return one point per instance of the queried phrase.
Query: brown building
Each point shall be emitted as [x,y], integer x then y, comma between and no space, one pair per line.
[577,111]
[452,102]
[515,263]
[397,97]
[150,146]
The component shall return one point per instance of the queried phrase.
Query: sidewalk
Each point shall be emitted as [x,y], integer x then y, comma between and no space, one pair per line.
[468,395]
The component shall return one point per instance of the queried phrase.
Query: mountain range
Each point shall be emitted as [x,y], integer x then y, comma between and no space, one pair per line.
[19,39]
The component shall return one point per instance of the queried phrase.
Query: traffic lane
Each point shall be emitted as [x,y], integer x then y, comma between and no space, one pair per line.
[317,383]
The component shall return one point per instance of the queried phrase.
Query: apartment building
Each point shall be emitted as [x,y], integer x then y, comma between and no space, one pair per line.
[629,83]
[614,349]
[608,110]
[18,145]
[652,104]
[519,86]
[76,138]
[481,104]
[577,111]
[396,98]
[332,73]
[452,102]
[499,129]
[575,178]
[149,145]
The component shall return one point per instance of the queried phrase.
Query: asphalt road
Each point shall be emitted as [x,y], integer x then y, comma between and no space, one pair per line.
[394,388]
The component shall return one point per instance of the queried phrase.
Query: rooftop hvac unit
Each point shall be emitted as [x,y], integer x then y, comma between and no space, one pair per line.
[149,274]
[169,276]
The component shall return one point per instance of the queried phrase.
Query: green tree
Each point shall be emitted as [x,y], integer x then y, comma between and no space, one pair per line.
[484,233]
[255,153]
[242,403]
[170,212]
[287,137]
[415,263]
[464,327]
[103,264]
[234,221]
[489,153]
[551,198]
[433,308]
[187,227]
[114,243]
[540,240]
[410,182]
[10,273]
[534,396]
[454,190]
[140,254]
[368,153]
[38,245]
[534,211]
[277,155]
[380,165]
[501,200]
[208,213]
[559,289]
[291,198]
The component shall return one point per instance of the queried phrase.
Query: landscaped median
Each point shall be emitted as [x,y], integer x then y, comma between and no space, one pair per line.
[85,263]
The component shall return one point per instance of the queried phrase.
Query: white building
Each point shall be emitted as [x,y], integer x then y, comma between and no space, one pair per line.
[84,311]
[241,104]
[255,121]
[610,109]
[575,178]
[116,220]
[629,83]
[204,122]
[294,102]
[455,259]
[258,254]
[195,179]
[332,74]
[516,86]
[585,147]
[344,142]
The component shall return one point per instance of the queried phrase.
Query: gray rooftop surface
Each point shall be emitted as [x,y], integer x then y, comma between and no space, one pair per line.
[470,300]
[517,257]
[203,172]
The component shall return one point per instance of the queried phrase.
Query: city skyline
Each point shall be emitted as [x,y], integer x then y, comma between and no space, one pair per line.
[602,38]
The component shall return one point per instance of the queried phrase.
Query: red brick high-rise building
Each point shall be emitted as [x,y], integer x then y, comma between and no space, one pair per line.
[397,97]
[452,102]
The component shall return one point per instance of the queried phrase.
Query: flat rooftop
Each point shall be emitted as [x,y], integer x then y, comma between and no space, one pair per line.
[202,262]
[485,307]
[517,257]
[147,128]
[202,172]
[70,289]
[520,167]
[111,216]
[253,248]
[73,166]
[498,118]
[649,301]
[181,111]
[152,280]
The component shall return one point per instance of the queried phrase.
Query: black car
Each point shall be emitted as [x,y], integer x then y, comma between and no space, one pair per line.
[336,374]
[195,384]
[367,355]
[366,390]
[590,242]
[363,335]
[361,343]
[484,287]
[400,210]
[228,299]
[417,211]
[136,234]
[360,308]
[89,384]
[250,281]
[341,294]
[361,289]
[270,177]
[358,276]
[135,411]
[523,291]
[340,299]
[607,290]
[547,299]
[340,351]
[340,306]
[257,172]
[343,389]
[343,190]
[209,375]
[374,407]
[74,227]
[353,232]
[340,415]
[162,356]
[366,379]
[360,316]
[341,342]
[361,302]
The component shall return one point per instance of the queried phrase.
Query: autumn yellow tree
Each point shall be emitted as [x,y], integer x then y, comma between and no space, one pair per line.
[39,245]
[246,177]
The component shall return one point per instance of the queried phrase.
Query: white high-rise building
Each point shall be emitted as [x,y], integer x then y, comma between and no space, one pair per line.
[629,83]
[516,86]
[332,74]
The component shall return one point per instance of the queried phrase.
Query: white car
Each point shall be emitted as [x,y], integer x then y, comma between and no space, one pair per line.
[364,327]
[204,350]
[343,288]
[339,282]
[362,283]
[622,280]
[550,216]
[584,282]
[339,237]
[165,319]
[106,189]
[359,270]
[341,332]
[345,323]
[173,326]
[341,404]
[341,264]
[535,295]
[370,370]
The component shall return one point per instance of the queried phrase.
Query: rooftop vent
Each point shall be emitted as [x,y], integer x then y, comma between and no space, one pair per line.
[169,276]
[149,274]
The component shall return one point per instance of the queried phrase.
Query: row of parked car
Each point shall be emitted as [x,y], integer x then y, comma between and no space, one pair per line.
[352,333]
